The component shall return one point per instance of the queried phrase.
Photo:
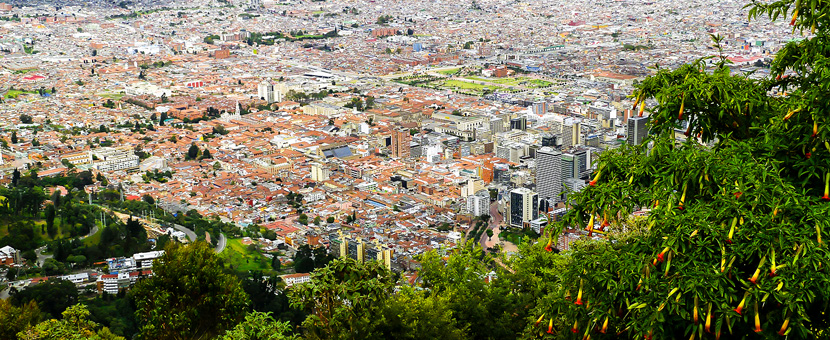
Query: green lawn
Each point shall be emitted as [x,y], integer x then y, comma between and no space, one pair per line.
[515,81]
[514,235]
[450,72]
[452,83]
[115,96]
[94,239]
[237,255]
[14,93]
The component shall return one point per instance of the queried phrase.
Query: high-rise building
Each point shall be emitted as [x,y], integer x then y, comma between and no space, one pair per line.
[479,204]
[569,166]
[637,130]
[400,143]
[501,173]
[581,162]
[496,125]
[570,134]
[357,249]
[539,108]
[549,140]
[266,92]
[319,173]
[524,207]
[519,123]
[549,174]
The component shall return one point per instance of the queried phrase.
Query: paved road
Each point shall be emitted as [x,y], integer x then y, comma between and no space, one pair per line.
[41,257]
[91,231]
[220,246]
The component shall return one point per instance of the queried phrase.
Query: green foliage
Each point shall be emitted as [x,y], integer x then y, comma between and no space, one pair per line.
[189,295]
[113,312]
[259,326]
[341,309]
[268,295]
[733,242]
[14,319]
[53,296]
[74,325]
[306,259]
[486,310]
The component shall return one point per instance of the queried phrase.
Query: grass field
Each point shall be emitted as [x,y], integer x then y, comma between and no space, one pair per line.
[14,93]
[115,96]
[466,85]
[515,81]
[40,228]
[514,236]
[450,72]
[94,239]
[237,255]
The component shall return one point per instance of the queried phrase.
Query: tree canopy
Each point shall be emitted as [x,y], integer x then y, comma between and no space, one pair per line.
[731,241]
[189,296]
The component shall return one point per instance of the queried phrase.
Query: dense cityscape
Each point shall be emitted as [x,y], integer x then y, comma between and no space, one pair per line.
[282,138]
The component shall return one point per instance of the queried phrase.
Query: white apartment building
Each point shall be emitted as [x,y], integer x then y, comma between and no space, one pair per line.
[112,159]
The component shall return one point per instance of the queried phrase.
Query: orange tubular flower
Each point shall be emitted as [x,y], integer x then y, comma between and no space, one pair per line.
[695,313]
[818,233]
[649,335]
[639,284]
[591,225]
[605,222]
[732,231]
[795,14]
[604,326]
[826,196]
[783,329]
[662,254]
[549,246]
[539,320]
[682,105]
[815,129]
[550,326]
[642,108]
[683,198]
[741,305]
[754,278]
[575,328]
[791,113]
[596,178]
[708,324]
[579,295]
[757,320]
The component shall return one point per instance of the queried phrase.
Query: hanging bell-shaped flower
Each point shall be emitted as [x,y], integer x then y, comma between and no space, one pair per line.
[757,319]
[740,307]
[579,295]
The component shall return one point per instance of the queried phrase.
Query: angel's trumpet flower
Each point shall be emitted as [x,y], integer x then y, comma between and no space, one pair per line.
[795,13]
[695,315]
[604,326]
[783,329]
[593,182]
[579,295]
[539,320]
[741,305]
[708,323]
[757,319]
[754,278]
